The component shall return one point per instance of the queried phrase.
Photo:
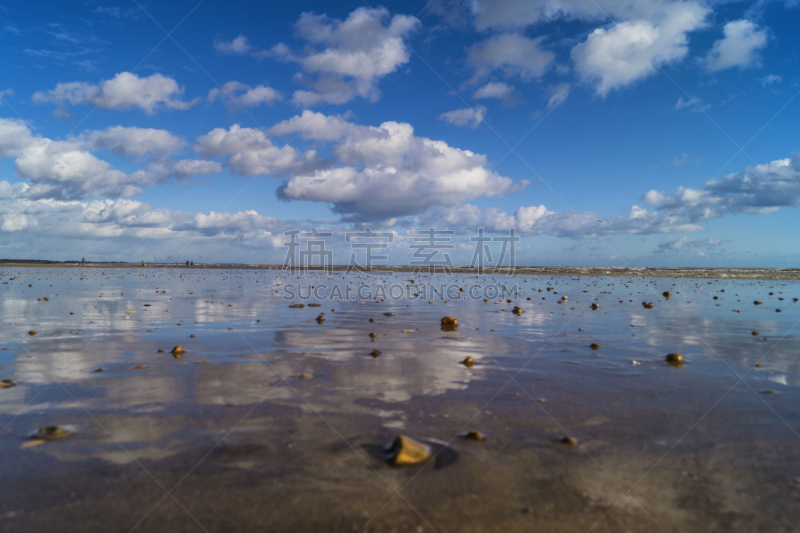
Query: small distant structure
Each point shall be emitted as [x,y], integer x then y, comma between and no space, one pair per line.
[187,264]
[191,264]
[143,263]
[83,261]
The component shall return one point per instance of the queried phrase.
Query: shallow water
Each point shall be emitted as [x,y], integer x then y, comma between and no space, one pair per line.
[230,437]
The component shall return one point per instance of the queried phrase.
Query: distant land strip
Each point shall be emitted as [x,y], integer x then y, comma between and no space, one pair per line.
[655,272]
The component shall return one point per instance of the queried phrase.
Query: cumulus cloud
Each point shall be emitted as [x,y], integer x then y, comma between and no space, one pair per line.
[124,91]
[517,14]
[241,95]
[62,226]
[471,116]
[355,54]
[239,46]
[383,172]
[70,170]
[4,93]
[496,90]
[538,220]
[760,189]
[631,50]
[133,141]
[685,243]
[247,151]
[189,168]
[59,169]
[510,53]
[738,48]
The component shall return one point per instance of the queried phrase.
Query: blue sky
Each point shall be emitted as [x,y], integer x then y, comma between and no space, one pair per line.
[604,132]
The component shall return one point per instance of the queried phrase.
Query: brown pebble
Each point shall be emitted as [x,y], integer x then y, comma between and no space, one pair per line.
[594,346]
[405,451]
[468,362]
[31,333]
[51,433]
[140,367]
[571,441]
[6,384]
[757,302]
[595,307]
[674,358]
[297,306]
[375,353]
[755,333]
[474,435]
[449,321]
[177,352]
[372,335]
[305,376]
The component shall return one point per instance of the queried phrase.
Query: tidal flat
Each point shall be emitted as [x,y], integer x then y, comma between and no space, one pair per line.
[279,418]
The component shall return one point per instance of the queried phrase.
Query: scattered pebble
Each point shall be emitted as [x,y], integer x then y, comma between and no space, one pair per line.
[51,433]
[405,451]
[674,358]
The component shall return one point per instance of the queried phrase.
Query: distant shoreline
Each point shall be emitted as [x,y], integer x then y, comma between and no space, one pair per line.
[655,272]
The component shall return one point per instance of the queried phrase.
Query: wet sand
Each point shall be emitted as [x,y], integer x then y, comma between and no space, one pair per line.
[273,421]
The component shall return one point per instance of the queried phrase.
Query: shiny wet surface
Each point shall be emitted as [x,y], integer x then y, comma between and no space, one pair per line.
[218,440]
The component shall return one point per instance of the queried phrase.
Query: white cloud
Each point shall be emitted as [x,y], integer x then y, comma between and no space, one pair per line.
[518,14]
[685,243]
[471,116]
[558,93]
[383,172]
[695,104]
[739,46]
[59,169]
[69,170]
[238,46]
[188,168]
[538,220]
[760,189]
[239,94]
[126,229]
[123,91]
[311,125]
[248,151]
[496,89]
[770,79]
[134,141]
[512,54]
[3,94]
[356,53]
[631,50]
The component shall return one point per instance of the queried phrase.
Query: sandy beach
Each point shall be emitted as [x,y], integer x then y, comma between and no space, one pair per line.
[272,419]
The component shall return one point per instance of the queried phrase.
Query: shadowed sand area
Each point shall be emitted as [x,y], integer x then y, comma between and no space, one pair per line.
[218,440]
